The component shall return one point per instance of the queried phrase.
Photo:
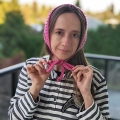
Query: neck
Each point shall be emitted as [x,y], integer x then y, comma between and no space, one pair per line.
[57,68]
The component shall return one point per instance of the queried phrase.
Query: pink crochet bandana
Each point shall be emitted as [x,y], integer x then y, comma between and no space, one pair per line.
[63,63]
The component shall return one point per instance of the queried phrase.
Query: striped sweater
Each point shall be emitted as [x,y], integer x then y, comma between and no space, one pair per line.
[56,101]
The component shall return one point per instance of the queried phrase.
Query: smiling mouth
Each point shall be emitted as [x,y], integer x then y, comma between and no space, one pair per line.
[63,51]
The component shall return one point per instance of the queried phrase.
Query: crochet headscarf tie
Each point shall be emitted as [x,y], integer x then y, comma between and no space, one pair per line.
[63,63]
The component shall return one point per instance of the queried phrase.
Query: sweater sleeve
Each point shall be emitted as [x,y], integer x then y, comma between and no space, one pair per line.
[99,110]
[22,105]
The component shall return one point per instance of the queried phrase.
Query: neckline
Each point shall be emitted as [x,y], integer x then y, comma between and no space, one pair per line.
[58,72]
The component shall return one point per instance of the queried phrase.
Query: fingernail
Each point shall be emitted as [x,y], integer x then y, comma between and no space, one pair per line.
[73,68]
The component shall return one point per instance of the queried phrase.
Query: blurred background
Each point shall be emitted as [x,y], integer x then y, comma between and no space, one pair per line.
[21,37]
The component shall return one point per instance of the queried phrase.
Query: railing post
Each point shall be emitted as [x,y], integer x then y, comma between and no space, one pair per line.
[106,69]
[14,81]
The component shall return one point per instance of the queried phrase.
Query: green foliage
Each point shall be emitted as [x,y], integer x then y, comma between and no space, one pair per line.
[14,5]
[78,3]
[15,36]
[105,40]
[31,44]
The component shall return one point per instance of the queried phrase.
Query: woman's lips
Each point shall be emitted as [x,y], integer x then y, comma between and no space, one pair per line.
[63,51]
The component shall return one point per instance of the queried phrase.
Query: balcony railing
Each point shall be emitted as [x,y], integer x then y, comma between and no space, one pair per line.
[13,70]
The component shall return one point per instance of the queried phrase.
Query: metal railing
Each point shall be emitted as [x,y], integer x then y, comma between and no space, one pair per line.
[106,59]
[13,70]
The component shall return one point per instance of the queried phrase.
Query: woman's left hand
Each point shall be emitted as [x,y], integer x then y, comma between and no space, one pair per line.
[83,76]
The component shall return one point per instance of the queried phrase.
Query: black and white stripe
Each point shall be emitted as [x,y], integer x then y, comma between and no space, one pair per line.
[52,98]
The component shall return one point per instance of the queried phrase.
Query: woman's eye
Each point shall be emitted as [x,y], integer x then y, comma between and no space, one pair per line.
[76,35]
[59,33]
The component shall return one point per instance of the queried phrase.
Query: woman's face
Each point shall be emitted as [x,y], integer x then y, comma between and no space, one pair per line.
[65,35]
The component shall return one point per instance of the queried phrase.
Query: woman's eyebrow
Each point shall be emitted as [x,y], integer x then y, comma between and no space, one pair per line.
[77,31]
[59,29]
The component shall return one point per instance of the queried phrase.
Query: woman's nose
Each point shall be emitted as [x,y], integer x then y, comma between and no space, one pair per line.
[66,41]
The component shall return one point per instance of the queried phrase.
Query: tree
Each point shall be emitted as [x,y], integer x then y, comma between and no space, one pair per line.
[35,8]
[111,8]
[14,5]
[2,15]
[7,7]
[105,41]
[9,31]
[15,36]
[78,3]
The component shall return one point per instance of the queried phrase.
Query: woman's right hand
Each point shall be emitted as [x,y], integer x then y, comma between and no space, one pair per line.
[38,75]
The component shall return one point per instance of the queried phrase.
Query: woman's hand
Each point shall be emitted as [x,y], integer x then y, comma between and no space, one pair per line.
[83,76]
[38,75]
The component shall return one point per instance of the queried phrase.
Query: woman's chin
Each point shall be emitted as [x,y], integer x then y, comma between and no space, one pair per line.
[62,57]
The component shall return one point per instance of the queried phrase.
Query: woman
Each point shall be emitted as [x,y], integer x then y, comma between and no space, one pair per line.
[62,85]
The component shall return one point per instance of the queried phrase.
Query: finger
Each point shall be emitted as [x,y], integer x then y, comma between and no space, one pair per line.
[79,76]
[38,68]
[42,67]
[88,75]
[29,68]
[43,61]
[77,67]
[81,68]
[88,70]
